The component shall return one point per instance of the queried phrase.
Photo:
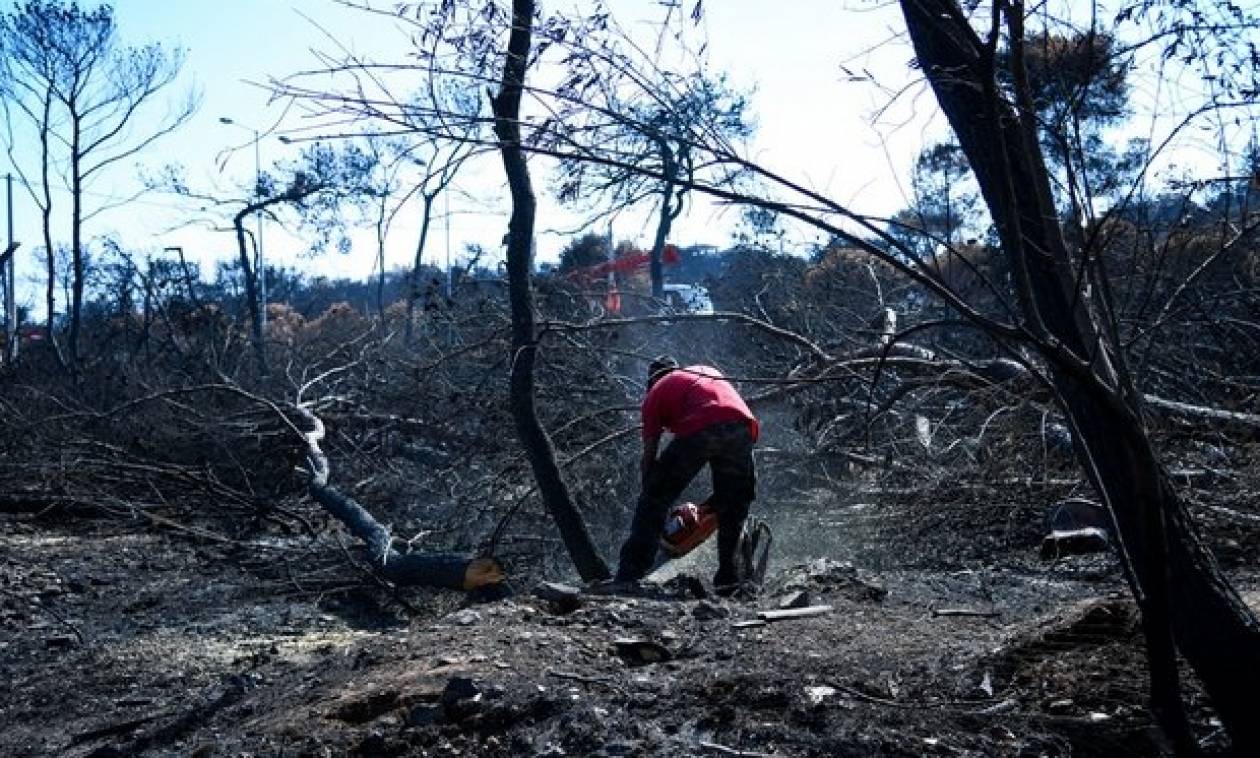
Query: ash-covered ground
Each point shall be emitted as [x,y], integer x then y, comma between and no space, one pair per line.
[120,640]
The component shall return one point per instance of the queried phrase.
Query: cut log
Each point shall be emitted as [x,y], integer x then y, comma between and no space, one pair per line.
[1075,526]
[444,570]
[1212,419]
[1060,543]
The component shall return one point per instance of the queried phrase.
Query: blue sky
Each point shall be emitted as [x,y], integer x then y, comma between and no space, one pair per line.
[812,123]
[816,125]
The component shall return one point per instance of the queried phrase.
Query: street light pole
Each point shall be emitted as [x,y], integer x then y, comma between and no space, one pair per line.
[260,264]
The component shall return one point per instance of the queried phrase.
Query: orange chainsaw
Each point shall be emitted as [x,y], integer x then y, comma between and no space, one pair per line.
[686,527]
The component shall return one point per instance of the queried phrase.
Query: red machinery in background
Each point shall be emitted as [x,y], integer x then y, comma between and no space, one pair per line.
[626,264]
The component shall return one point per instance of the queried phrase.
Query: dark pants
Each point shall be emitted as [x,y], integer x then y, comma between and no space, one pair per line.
[727,448]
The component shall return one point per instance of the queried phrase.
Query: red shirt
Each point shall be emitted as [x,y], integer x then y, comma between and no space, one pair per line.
[687,400]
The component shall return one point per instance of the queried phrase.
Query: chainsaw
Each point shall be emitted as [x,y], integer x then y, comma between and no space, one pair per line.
[688,525]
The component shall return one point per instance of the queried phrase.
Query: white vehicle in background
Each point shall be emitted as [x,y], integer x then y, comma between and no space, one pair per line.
[687,298]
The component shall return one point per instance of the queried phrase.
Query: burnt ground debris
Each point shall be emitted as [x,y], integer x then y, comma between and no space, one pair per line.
[166,588]
[120,640]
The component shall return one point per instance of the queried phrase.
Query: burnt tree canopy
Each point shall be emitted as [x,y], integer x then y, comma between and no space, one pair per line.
[90,99]
[1187,604]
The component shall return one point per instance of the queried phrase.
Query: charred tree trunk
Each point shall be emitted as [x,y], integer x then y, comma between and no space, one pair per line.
[1186,603]
[445,570]
[253,309]
[296,193]
[380,268]
[670,168]
[45,209]
[78,272]
[413,288]
[538,448]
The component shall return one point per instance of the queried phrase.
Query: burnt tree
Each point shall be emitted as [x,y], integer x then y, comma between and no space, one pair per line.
[538,447]
[1187,604]
[444,570]
[65,70]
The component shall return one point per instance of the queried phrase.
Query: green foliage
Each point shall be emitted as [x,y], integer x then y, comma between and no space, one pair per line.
[645,134]
[588,250]
[1079,85]
[1081,76]
[758,227]
[946,207]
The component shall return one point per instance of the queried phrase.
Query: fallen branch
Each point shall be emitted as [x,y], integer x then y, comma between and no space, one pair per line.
[204,534]
[951,612]
[789,614]
[40,504]
[122,727]
[580,678]
[724,750]
[1248,423]
[721,317]
[444,570]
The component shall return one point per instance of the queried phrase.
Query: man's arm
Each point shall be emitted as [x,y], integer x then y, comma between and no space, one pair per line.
[652,429]
[650,447]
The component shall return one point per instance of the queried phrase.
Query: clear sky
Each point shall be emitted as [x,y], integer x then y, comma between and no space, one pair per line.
[813,123]
[817,124]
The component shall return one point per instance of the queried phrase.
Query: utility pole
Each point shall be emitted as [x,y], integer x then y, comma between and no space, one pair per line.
[10,304]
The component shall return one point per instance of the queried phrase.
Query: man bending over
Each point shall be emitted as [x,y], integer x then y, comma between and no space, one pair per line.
[711,424]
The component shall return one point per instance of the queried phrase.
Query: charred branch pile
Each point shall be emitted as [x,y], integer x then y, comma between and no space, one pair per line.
[860,385]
